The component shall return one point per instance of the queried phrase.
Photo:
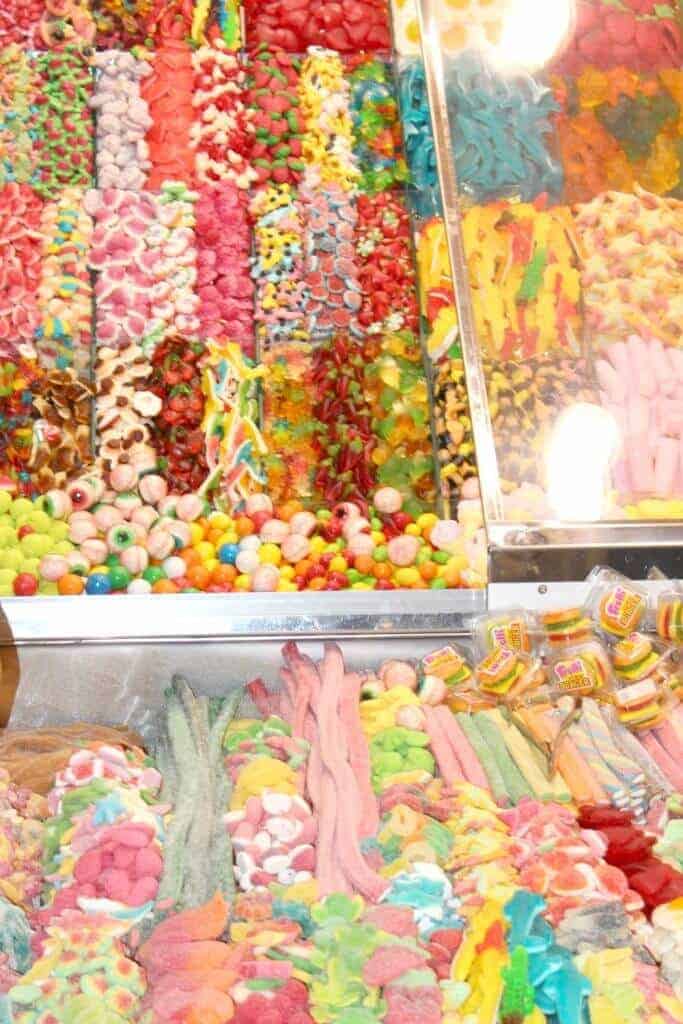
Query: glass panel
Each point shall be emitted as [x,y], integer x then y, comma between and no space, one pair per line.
[566,139]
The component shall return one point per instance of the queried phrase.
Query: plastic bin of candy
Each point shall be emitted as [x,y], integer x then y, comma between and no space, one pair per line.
[209,319]
[359,832]
[561,162]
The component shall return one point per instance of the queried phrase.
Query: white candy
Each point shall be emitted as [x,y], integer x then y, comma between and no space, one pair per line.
[284,829]
[262,841]
[276,803]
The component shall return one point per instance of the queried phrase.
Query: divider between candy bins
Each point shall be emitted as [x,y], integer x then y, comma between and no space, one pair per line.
[231,363]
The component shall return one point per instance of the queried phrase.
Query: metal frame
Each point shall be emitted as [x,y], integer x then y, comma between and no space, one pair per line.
[530,551]
[244,618]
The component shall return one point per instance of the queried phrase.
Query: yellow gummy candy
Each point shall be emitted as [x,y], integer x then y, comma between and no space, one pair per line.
[263,773]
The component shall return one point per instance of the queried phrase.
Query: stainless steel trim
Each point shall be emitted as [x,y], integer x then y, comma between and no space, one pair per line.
[487,460]
[213,618]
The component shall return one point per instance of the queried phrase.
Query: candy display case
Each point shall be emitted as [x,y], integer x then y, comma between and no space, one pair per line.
[558,142]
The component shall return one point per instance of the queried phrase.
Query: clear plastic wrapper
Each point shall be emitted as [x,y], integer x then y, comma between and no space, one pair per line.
[618,605]
[513,629]
[579,671]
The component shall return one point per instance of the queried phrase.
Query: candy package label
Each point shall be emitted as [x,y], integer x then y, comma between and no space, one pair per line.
[622,609]
[574,675]
[446,663]
[511,635]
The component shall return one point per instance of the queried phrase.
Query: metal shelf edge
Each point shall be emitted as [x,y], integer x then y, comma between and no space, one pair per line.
[197,618]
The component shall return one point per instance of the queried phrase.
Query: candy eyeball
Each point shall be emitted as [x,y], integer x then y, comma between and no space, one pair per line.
[189,507]
[398,673]
[153,489]
[135,559]
[107,516]
[432,690]
[120,537]
[346,510]
[123,478]
[411,717]
[82,494]
[57,504]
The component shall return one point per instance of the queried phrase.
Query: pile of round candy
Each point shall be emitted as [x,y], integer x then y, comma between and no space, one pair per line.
[129,534]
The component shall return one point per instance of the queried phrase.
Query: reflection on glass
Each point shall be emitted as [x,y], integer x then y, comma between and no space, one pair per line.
[533,31]
[580,452]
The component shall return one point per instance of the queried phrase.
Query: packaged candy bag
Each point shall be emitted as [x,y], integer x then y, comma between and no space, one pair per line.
[448,663]
[639,656]
[507,673]
[566,626]
[580,670]
[617,604]
[669,617]
[513,629]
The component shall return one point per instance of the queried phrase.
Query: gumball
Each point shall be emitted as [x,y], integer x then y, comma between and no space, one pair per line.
[106,516]
[251,543]
[139,587]
[446,535]
[189,507]
[247,562]
[398,673]
[153,574]
[403,550]
[71,584]
[360,544]
[57,504]
[145,515]
[274,531]
[174,567]
[120,537]
[265,578]
[119,577]
[153,489]
[123,477]
[95,550]
[295,547]
[303,523]
[135,559]
[25,531]
[388,500]
[53,567]
[227,554]
[259,519]
[160,543]
[258,503]
[433,690]
[98,583]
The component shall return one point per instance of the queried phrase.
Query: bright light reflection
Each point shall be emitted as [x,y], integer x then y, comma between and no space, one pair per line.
[533,31]
[583,444]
